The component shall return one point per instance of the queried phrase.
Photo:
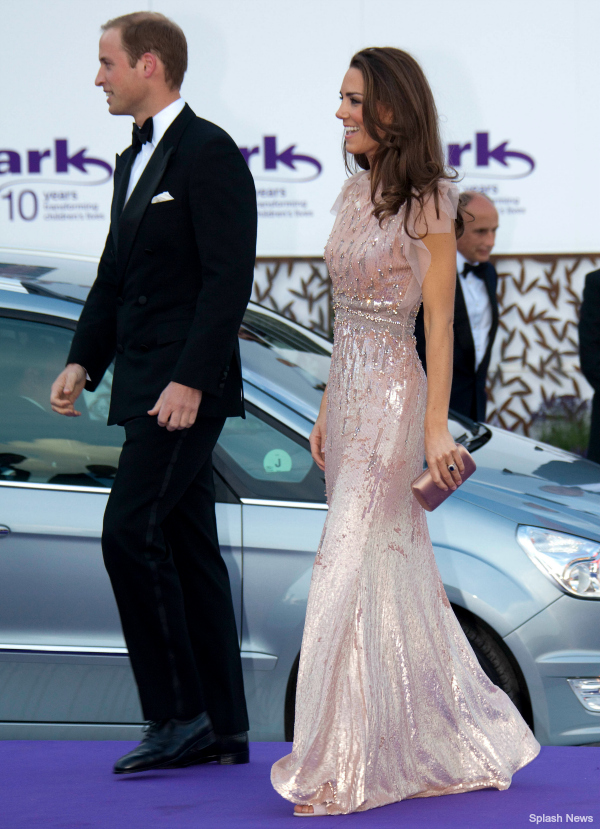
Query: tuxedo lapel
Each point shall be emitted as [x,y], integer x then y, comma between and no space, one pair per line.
[139,199]
[491,285]
[133,212]
[490,280]
[462,327]
[123,164]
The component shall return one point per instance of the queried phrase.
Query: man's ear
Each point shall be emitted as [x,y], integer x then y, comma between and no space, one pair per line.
[149,64]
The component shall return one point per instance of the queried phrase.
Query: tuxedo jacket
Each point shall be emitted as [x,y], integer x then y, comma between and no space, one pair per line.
[175,276]
[468,385]
[589,354]
[589,330]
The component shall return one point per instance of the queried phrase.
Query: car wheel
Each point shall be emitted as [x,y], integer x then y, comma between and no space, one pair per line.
[496,664]
[290,702]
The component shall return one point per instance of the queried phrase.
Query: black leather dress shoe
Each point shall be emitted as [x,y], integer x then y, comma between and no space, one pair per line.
[167,741]
[229,750]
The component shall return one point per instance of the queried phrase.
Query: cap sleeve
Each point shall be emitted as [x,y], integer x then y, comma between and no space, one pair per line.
[415,250]
[337,205]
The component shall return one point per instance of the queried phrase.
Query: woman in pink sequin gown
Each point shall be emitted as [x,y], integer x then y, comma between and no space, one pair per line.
[391,702]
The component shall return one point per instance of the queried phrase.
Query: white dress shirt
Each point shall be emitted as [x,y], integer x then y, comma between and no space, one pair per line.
[160,124]
[479,308]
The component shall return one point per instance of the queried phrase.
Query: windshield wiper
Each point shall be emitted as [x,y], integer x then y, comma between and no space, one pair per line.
[481,434]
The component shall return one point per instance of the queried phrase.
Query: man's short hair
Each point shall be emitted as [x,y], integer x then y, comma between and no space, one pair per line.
[143,32]
[468,196]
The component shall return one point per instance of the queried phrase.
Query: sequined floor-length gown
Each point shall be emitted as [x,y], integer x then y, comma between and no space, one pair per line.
[391,702]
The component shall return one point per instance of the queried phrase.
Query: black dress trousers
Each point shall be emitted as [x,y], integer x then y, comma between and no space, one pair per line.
[171,584]
[589,354]
[593,452]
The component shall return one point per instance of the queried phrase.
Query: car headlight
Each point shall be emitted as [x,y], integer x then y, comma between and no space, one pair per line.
[572,562]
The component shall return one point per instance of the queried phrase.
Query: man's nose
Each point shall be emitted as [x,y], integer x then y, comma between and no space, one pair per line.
[99,78]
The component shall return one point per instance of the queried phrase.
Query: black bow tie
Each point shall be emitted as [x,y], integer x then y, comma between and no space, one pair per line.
[141,134]
[479,270]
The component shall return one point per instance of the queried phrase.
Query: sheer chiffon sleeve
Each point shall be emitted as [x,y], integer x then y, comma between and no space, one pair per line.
[429,221]
[345,187]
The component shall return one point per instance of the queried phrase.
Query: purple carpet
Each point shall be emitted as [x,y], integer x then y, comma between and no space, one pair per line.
[68,785]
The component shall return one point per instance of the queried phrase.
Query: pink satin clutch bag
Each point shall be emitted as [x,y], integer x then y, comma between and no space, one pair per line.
[431,496]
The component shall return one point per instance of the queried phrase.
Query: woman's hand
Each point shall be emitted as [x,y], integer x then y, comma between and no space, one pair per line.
[441,452]
[317,441]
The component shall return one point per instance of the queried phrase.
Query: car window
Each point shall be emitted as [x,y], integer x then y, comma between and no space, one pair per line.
[260,458]
[277,333]
[36,444]
[290,347]
[283,361]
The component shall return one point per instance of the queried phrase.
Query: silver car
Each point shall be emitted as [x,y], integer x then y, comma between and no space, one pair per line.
[518,546]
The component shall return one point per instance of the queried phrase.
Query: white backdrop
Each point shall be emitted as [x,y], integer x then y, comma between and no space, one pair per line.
[517,77]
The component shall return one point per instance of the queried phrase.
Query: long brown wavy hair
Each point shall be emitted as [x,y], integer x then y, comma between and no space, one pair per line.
[409,161]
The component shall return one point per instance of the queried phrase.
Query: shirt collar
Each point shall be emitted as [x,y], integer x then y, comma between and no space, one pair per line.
[163,120]
[461,262]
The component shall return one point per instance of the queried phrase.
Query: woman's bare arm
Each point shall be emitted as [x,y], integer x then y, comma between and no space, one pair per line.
[319,434]
[438,315]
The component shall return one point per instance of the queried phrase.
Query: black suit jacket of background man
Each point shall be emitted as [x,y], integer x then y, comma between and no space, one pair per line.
[157,302]
[468,395]
[589,353]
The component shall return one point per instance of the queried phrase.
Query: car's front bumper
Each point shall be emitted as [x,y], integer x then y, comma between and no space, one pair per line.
[561,642]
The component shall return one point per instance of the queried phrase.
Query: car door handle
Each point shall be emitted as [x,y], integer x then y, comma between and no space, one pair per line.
[3,531]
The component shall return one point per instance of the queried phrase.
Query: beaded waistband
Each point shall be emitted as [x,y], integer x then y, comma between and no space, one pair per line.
[378,320]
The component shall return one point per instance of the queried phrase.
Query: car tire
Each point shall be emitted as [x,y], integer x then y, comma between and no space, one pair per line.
[491,656]
[290,702]
[496,664]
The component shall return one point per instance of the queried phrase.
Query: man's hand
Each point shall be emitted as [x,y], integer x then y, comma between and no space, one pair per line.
[177,407]
[66,389]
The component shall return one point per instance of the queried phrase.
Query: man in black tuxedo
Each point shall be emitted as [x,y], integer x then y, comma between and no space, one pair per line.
[589,354]
[172,286]
[475,307]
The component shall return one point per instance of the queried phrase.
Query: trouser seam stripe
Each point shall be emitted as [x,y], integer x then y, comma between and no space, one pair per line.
[162,614]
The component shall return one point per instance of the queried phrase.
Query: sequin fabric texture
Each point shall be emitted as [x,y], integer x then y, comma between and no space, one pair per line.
[391,702]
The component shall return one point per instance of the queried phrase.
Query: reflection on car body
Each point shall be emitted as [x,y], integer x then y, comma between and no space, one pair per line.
[518,546]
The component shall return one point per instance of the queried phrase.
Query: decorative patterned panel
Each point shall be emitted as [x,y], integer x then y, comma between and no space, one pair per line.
[299,289]
[535,360]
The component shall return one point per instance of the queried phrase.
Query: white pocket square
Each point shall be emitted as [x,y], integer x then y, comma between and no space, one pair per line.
[166,196]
